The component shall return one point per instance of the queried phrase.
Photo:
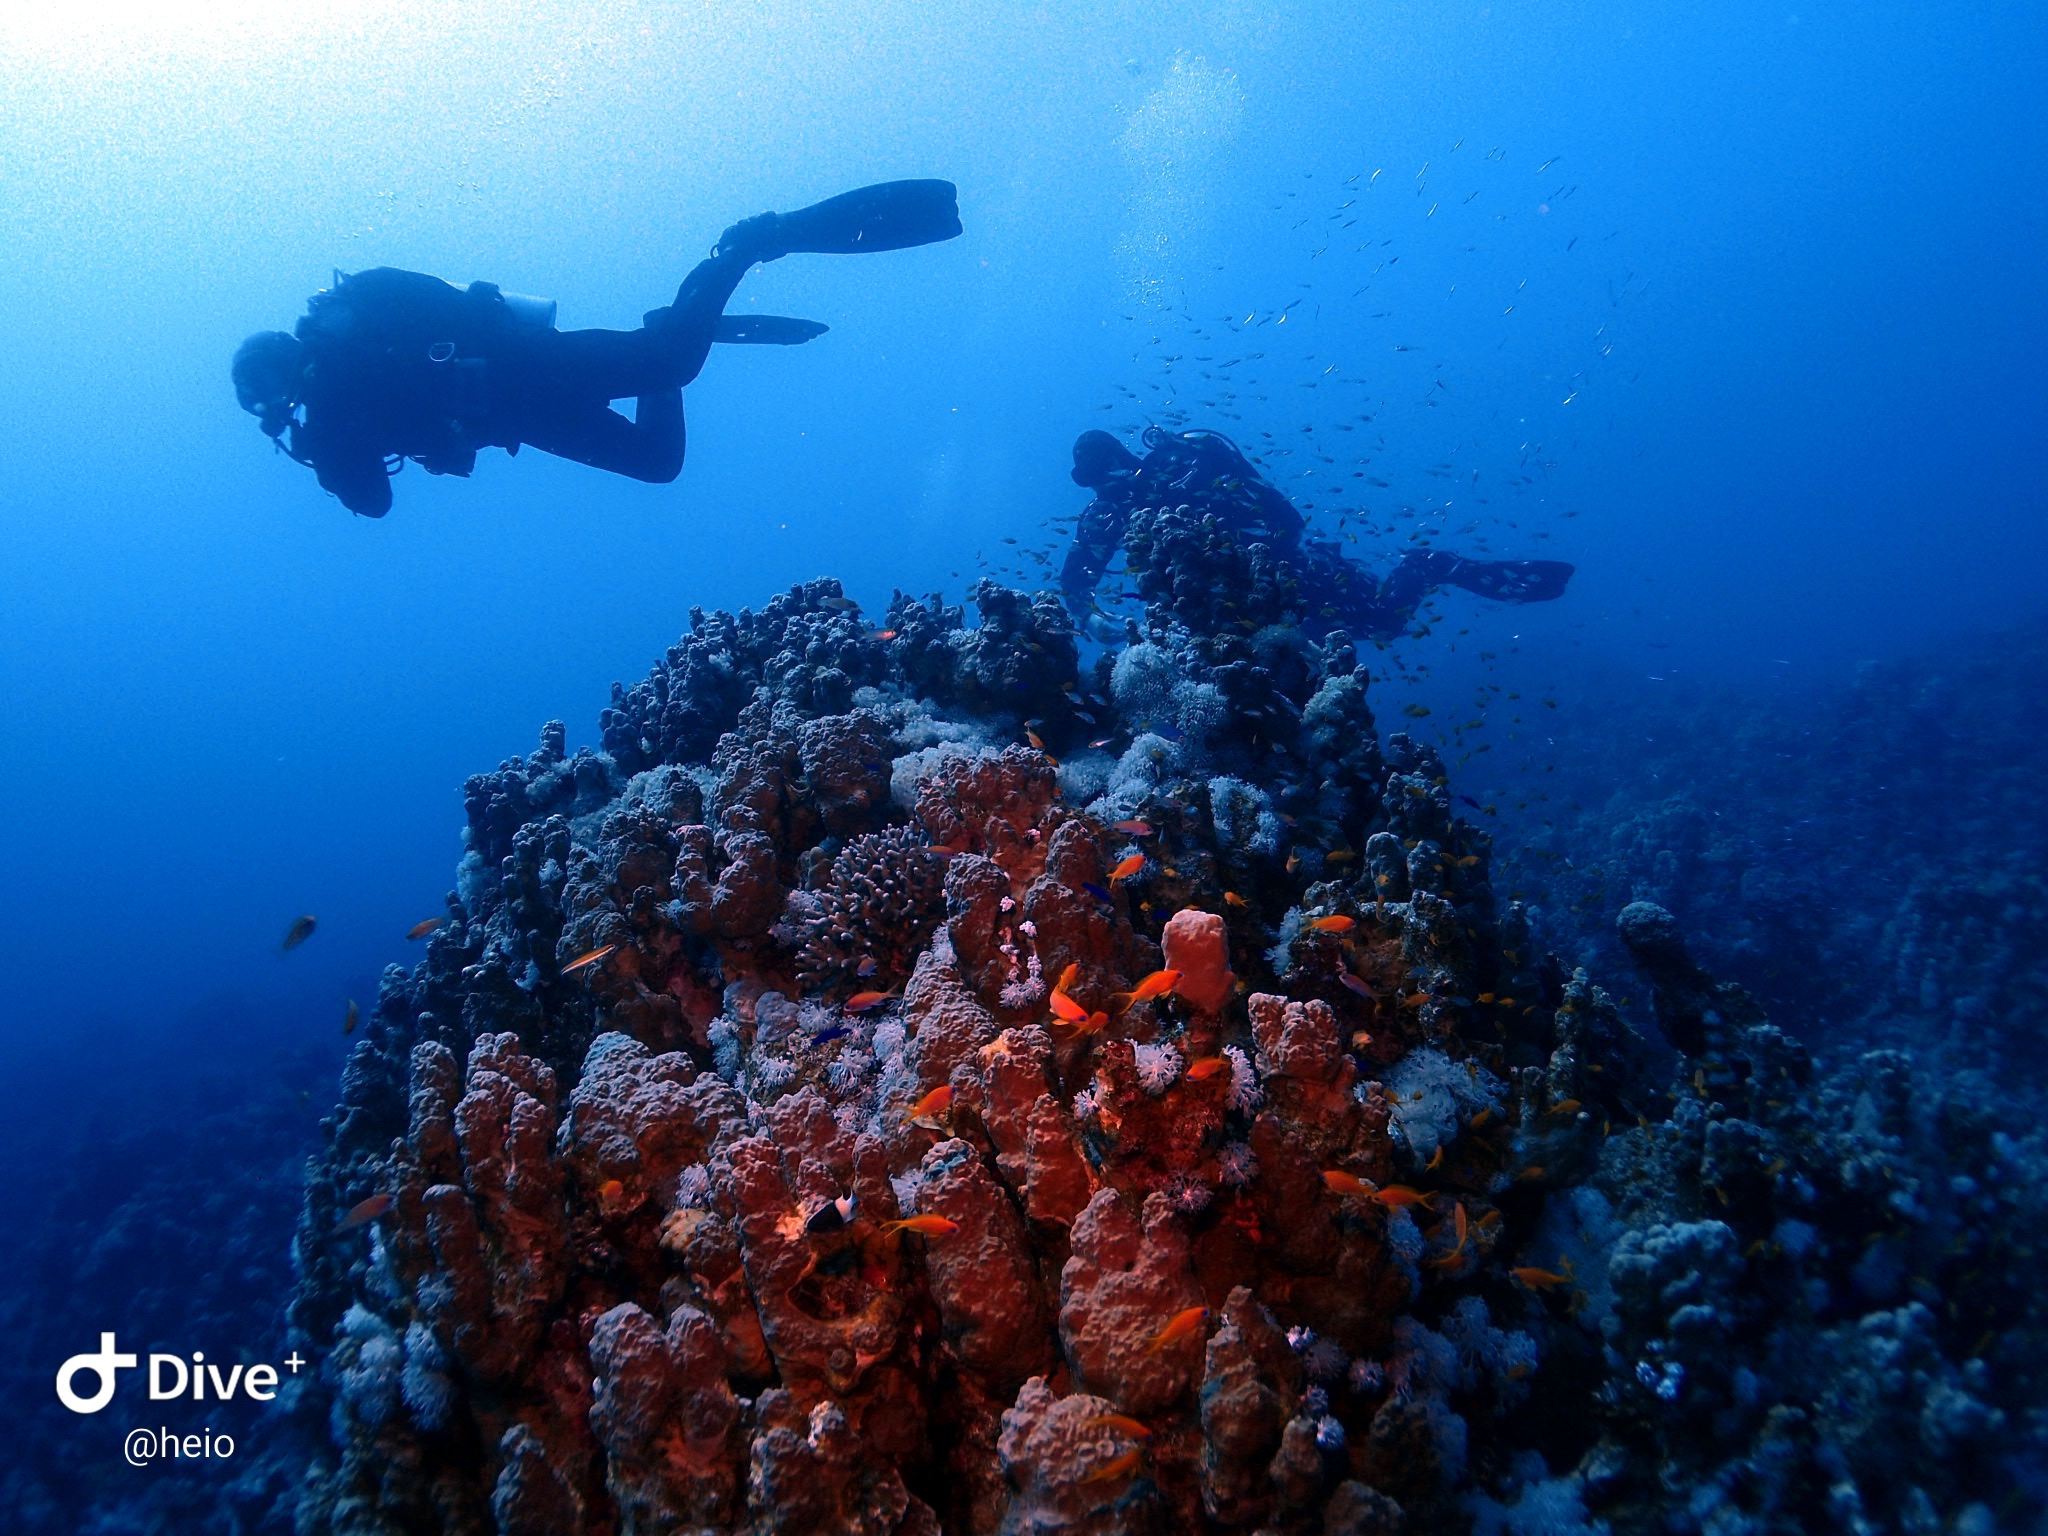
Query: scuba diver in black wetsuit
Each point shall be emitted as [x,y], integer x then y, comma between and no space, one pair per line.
[388,365]
[1206,471]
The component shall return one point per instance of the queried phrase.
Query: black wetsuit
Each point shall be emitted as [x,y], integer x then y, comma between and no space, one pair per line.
[1204,470]
[400,365]
[1206,473]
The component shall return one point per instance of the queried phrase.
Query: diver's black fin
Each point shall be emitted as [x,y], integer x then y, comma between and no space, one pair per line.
[766,330]
[1513,581]
[889,216]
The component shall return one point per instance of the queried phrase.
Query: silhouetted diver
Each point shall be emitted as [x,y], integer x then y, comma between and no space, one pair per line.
[390,365]
[1206,471]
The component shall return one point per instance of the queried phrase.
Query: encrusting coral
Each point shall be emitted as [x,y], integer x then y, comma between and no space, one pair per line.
[825,1112]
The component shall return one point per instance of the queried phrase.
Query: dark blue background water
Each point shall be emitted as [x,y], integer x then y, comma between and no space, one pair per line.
[1752,292]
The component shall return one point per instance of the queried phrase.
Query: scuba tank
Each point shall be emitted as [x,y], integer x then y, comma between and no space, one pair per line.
[527,312]
[412,301]
[524,311]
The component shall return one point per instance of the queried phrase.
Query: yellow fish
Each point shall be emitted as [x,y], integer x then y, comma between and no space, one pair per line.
[1178,1327]
[924,1226]
[1123,1424]
[1158,984]
[1069,1010]
[1116,1467]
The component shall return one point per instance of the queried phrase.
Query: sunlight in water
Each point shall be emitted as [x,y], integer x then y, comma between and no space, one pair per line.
[85,32]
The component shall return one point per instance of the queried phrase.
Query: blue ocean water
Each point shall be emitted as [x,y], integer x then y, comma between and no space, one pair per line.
[1735,307]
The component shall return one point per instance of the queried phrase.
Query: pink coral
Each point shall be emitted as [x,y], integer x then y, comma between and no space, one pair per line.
[1130,1275]
[1198,946]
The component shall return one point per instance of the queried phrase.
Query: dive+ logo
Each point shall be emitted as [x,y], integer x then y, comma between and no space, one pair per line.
[256,1382]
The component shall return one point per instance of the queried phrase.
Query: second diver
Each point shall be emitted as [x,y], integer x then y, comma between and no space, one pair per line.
[1205,473]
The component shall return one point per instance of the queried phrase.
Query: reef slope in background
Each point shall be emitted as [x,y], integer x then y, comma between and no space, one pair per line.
[1869,858]
[1723,1291]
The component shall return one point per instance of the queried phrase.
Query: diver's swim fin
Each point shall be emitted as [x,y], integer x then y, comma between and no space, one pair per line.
[1513,581]
[766,330]
[889,216]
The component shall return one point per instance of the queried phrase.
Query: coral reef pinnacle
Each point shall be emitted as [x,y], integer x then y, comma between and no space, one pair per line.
[820,1115]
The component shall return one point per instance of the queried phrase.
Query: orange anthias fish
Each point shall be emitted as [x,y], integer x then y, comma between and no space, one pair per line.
[1135,828]
[1208,1067]
[1034,738]
[1068,977]
[1117,1466]
[1123,1424]
[1067,1008]
[937,1102]
[1231,898]
[588,957]
[366,1211]
[420,930]
[299,932]
[1395,1195]
[1538,1279]
[923,1226]
[1338,1182]
[1158,984]
[349,1019]
[1356,984]
[1461,1229]
[1126,869]
[1336,922]
[861,1002]
[1181,1325]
